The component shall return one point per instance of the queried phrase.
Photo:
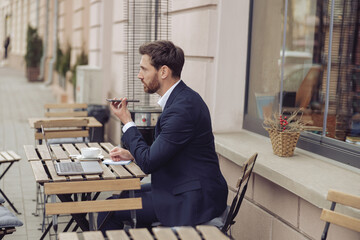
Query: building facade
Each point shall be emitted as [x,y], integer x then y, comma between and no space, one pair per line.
[237,53]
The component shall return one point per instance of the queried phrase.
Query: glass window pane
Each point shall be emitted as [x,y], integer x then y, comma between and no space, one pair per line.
[343,117]
[303,65]
[266,34]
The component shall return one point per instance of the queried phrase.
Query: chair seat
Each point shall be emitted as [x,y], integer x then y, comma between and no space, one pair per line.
[8,219]
[219,221]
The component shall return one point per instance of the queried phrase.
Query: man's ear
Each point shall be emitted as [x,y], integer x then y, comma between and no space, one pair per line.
[164,71]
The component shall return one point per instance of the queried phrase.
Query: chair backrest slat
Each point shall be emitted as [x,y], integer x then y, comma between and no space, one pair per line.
[68,236]
[330,216]
[247,167]
[52,123]
[344,198]
[92,186]
[164,233]
[340,219]
[140,234]
[65,105]
[66,110]
[66,114]
[211,233]
[63,134]
[117,234]
[93,235]
[187,233]
[93,206]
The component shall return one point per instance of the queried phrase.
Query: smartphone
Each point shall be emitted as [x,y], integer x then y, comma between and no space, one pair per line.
[118,100]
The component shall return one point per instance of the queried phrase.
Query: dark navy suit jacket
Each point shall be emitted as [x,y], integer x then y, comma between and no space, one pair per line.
[187,185]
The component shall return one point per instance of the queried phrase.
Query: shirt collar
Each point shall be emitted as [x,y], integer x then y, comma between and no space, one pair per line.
[162,101]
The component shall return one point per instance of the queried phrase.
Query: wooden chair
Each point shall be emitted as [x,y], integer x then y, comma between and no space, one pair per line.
[67,206]
[8,157]
[62,128]
[330,216]
[242,184]
[58,131]
[66,110]
[8,222]
[226,220]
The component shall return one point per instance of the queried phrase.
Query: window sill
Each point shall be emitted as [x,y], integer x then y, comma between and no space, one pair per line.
[305,174]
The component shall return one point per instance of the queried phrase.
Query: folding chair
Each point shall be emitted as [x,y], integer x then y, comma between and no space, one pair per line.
[236,203]
[8,157]
[330,216]
[62,131]
[8,221]
[66,110]
[78,209]
[226,220]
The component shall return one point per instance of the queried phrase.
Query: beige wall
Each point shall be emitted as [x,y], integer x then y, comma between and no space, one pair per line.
[274,213]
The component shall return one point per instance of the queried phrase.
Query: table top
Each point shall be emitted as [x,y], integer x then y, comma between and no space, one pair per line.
[8,156]
[44,171]
[201,232]
[92,120]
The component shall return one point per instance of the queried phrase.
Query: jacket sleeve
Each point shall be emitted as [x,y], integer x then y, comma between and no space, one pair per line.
[177,130]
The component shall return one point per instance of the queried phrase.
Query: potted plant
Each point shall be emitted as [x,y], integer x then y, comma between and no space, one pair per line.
[284,132]
[34,51]
[81,59]
[62,64]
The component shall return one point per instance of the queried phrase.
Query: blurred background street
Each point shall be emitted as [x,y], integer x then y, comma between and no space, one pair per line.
[19,101]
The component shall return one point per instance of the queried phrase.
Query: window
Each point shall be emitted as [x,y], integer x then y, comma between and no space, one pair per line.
[297,69]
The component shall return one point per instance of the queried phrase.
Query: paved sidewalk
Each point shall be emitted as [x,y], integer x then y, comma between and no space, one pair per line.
[19,100]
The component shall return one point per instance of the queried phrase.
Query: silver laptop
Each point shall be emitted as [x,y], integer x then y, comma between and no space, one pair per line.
[72,168]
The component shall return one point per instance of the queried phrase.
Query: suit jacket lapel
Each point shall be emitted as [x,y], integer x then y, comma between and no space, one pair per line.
[174,93]
[170,100]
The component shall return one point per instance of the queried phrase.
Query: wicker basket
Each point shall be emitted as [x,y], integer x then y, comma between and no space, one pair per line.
[283,143]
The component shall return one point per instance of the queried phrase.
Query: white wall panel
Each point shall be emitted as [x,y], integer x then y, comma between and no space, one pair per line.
[191,31]
[118,84]
[77,39]
[94,43]
[95,14]
[118,10]
[118,37]
[78,20]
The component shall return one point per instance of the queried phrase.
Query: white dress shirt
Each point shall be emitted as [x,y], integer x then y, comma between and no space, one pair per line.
[162,102]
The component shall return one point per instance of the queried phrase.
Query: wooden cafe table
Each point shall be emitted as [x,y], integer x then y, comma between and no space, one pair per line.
[44,171]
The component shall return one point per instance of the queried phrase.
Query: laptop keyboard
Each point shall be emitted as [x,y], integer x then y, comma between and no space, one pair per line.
[70,167]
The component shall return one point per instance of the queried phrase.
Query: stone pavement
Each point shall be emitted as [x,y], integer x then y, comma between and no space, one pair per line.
[19,100]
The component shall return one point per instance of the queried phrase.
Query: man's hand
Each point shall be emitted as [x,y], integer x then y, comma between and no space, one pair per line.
[121,111]
[120,154]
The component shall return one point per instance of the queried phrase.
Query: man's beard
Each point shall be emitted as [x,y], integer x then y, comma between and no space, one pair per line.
[152,87]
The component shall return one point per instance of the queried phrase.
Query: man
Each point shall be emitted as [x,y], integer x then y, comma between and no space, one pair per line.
[6,46]
[187,187]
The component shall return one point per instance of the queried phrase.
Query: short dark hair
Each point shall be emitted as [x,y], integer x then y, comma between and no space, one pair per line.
[164,52]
